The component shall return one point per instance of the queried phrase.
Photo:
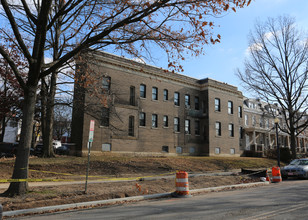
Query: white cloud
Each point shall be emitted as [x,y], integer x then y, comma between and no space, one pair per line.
[253,47]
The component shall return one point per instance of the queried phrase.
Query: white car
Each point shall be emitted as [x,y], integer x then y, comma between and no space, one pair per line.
[56,144]
[297,168]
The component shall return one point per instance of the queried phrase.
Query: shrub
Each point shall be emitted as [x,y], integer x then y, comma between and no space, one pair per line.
[285,154]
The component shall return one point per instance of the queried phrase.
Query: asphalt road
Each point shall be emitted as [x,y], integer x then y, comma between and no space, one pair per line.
[286,200]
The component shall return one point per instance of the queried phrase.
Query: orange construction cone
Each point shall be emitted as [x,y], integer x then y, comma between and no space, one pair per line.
[267,177]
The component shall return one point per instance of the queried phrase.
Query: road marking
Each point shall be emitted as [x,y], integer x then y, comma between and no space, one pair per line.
[277,212]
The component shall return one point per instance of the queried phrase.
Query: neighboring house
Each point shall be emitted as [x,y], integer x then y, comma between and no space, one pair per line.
[260,131]
[150,110]
[12,131]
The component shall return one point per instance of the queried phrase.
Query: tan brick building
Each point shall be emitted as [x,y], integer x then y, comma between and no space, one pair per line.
[154,111]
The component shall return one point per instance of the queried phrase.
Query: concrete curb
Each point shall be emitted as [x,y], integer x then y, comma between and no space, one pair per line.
[114,201]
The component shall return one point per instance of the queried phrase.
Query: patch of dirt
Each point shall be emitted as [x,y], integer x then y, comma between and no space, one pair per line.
[65,194]
[45,194]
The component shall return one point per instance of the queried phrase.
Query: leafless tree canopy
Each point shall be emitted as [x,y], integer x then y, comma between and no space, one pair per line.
[42,27]
[276,69]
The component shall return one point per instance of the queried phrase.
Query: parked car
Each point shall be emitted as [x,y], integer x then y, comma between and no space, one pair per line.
[38,150]
[8,149]
[56,144]
[297,168]
[63,150]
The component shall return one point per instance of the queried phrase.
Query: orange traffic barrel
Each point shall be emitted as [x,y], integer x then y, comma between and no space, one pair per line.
[181,185]
[276,175]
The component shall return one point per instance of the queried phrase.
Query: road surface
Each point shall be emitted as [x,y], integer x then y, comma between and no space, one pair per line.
[286,200]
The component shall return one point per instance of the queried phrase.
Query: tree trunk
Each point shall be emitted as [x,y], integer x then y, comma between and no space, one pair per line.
[48,135]
[3,130]
[22,159]
[43,94]
[293,144]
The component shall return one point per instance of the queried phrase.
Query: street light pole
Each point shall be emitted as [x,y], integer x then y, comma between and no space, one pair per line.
[278,151]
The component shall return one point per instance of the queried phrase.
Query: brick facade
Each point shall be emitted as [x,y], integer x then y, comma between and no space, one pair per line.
[123,132]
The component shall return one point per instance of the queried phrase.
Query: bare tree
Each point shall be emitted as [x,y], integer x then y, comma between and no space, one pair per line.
[276,70]
[177,27]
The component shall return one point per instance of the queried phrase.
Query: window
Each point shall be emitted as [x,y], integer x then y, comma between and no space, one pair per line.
[165,121]
[253,121]
[165,149]
[105,117]
[142,119]
[240,113]
[246,120]
[192,150]
[218,128]
[165,94]
[187,101]
[231,130]
[154,121]
[261,122]
[232,150]
[176,124]
[197,106]
[154,93]
[267,123]
[143,91]
[187,126]
[217,105]
[217,150]
[179,150]
[131,126]
[106,84]
[241,132]
[197,127]
[177,99]
[230,107]
[132,95]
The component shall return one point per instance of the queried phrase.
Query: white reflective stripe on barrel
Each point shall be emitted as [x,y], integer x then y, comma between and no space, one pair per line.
[276,177]
[182,180]
[182,189]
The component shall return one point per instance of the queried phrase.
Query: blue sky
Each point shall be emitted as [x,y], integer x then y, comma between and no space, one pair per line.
[222,60]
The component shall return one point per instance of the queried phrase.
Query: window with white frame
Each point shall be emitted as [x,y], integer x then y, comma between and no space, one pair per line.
[232,151]
[187,101]
[240,112]
[154,121]
[253,120]
[165,94]
[176,124]
[142,91]
[165,121]
[142,119]
[217,104]
[230,107]
[187,126]
[106,84]
[231,130]
[154,93]
[217,150]
[246,120]
[177,99]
